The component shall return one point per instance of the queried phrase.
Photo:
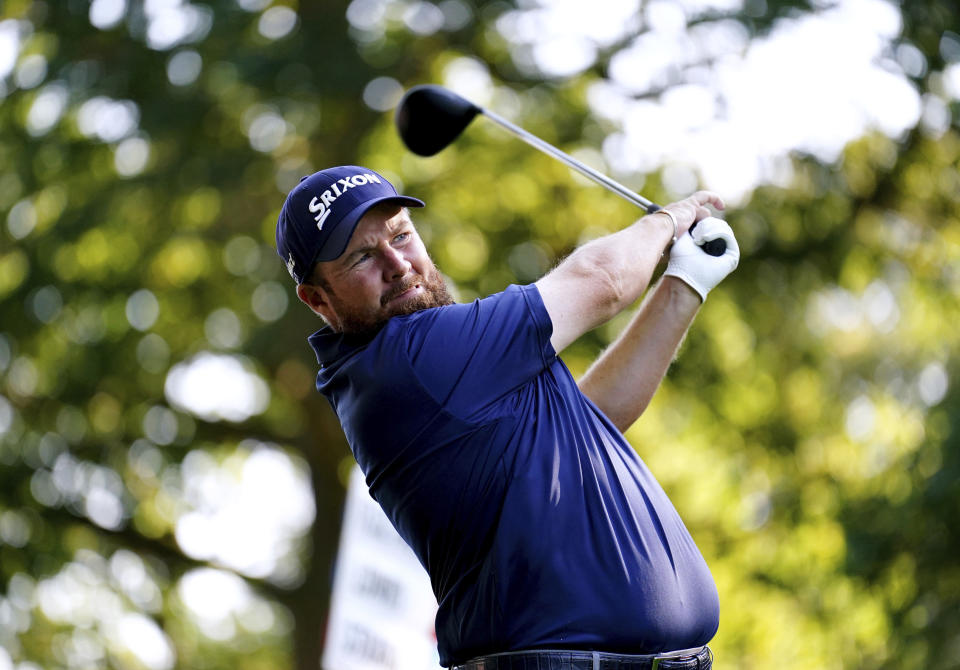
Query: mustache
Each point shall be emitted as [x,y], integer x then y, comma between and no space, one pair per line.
[402,287]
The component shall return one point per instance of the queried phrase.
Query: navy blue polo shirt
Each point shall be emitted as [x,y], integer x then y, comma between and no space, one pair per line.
[538,524]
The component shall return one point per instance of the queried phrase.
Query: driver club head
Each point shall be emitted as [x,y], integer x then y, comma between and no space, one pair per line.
[430,117]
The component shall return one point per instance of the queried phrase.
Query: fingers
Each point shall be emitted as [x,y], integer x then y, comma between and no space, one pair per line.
[707,198]
[702,271]
[712,228]
[693,208]
[703,213]
[700,200]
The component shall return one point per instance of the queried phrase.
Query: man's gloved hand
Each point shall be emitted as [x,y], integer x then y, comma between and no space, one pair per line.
[694,266]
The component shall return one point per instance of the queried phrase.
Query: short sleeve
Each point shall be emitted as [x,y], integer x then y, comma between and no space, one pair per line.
[470,355]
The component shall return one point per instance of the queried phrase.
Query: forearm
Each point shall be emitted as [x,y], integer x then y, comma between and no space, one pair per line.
[607,275]
[602,278]
[624,378]
[630,256]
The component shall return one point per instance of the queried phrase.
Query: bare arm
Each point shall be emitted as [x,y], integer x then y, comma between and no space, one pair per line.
[605,276]
[601,278]
[624,378]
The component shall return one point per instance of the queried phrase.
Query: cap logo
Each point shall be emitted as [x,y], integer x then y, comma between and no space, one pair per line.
[291,264]
[321,207]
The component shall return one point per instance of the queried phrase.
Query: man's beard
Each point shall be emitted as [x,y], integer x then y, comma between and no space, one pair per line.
[356,320]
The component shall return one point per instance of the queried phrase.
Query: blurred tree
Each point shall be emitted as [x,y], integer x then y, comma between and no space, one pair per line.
[147,148]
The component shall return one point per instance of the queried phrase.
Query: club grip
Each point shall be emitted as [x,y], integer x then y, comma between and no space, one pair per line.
[716,247]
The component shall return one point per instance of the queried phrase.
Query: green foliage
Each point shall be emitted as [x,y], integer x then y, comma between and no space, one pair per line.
[808,432]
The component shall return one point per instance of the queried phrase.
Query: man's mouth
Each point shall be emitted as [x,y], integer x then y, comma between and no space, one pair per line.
[409,292]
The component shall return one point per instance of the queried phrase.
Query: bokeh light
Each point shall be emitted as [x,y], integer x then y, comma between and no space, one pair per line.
[217,387]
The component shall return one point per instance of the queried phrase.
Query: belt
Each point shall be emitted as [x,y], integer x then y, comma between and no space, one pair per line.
[700,658]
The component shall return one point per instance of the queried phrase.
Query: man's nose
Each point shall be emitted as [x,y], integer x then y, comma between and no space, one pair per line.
[395,264]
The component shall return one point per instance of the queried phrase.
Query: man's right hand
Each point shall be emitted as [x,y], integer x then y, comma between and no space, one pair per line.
[691,209]
[696,268]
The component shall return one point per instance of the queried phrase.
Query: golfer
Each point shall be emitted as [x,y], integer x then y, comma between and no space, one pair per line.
[548,542]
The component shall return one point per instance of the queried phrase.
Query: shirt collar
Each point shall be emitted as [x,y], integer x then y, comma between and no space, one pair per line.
[330,346]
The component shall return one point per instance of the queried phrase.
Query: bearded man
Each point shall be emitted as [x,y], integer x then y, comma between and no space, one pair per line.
[548,542]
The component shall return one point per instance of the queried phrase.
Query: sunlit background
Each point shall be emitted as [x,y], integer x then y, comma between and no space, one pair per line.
[171,484]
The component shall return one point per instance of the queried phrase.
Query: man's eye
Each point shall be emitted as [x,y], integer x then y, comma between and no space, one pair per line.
[361,259]
[402,237]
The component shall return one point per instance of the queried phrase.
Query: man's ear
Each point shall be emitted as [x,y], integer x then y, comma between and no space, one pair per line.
[316,299]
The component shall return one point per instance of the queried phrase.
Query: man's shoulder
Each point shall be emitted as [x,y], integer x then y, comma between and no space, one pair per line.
[453,320]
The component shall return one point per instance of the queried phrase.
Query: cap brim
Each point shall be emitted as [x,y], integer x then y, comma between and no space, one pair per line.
[339,237]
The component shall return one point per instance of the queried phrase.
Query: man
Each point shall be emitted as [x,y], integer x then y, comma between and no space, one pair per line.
[543,532]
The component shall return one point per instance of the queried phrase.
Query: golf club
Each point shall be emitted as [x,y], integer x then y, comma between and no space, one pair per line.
[430,117]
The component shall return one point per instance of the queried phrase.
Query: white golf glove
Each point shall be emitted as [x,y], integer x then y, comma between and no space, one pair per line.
[697,268]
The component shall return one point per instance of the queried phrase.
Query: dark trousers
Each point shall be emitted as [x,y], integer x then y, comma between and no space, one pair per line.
[548,659]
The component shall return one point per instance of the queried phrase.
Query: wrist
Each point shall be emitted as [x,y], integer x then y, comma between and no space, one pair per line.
[673,220]
[681,293]
[663,226]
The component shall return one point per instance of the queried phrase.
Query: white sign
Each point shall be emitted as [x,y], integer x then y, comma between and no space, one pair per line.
[382,609]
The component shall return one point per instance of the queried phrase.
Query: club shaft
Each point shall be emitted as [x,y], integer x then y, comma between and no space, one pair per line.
[572,162]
